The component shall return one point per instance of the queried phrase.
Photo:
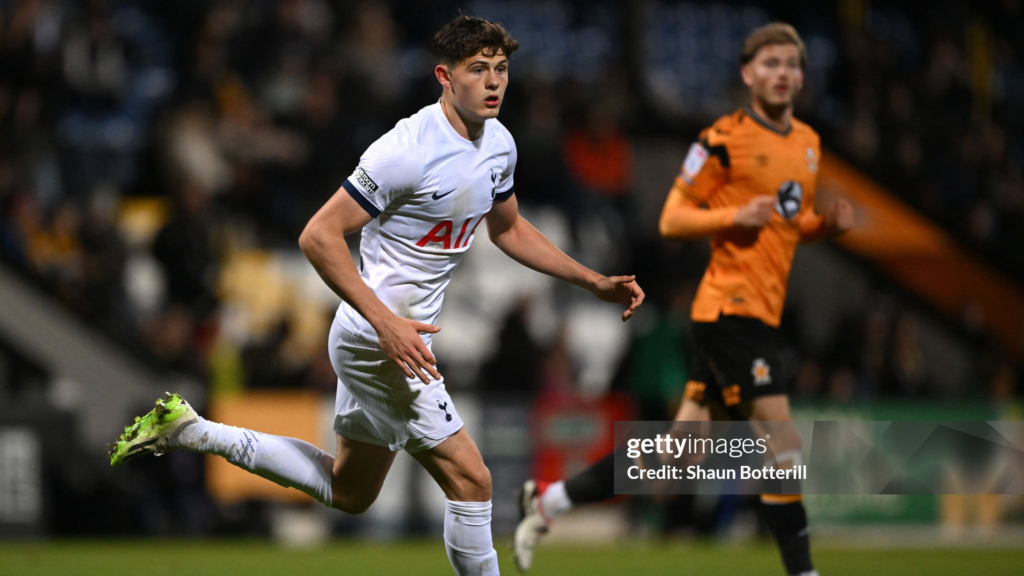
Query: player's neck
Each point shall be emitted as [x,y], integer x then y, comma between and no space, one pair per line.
[779,117]
[463,126]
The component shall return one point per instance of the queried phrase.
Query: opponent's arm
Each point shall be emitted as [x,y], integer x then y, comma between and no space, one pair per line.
[323,243]
[812,226]
[682,218]
[837,218]
[525,244]
[705,170]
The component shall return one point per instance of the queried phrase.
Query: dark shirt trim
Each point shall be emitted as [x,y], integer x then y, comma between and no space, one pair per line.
[753,115]
[718,150]
[503,196]
[358,196]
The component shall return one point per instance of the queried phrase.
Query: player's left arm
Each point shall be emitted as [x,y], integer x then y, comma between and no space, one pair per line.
[525,244]
[835,218]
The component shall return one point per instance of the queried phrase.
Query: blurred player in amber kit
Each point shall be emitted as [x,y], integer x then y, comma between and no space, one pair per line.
[749,184]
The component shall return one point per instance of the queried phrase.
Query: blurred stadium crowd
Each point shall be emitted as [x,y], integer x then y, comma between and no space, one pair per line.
[240,118]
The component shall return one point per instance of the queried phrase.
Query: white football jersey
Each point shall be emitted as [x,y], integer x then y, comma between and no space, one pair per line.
[428,189]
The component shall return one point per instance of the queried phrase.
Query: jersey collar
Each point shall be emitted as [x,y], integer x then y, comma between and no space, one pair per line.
[756,118]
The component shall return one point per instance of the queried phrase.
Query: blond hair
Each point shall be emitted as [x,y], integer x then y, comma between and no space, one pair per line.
[774,34]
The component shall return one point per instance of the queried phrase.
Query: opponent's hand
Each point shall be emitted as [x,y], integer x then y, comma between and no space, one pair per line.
[838,217]
[400,340]
[621,290]
[756,213]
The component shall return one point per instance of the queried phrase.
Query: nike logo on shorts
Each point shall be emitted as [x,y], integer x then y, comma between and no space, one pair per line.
[437,196]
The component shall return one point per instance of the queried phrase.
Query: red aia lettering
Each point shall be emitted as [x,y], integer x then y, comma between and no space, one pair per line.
[471,232]
[443,233]
[461,232]
[440,233]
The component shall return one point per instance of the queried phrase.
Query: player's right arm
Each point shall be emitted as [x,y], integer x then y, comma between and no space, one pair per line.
[704,171]
[323,243]
[684,219]
[386,171]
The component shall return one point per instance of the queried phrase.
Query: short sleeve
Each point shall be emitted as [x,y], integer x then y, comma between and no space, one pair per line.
[506,181]
[704,170]
[389,168]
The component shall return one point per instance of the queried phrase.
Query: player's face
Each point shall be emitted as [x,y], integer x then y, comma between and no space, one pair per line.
[774,76]
[478,84]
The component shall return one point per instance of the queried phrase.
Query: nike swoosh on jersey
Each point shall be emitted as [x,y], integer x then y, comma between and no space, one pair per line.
[437,196]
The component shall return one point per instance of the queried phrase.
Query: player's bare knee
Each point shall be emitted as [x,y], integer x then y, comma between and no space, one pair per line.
[480,483]
[785,439]
[352,501]
[354,505]
[473,484]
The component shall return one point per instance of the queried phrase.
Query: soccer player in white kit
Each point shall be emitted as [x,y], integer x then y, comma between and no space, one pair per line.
[418,195]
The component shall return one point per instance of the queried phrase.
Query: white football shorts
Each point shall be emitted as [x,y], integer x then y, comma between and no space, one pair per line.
[377,403]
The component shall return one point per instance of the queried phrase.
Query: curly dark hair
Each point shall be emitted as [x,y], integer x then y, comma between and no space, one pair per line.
[467,35]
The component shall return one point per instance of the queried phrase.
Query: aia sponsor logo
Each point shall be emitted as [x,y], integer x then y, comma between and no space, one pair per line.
[442,234]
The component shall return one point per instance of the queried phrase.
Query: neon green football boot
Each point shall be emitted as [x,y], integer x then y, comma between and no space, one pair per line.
[154,432]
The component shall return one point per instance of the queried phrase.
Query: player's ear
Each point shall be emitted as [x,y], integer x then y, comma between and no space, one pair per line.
[444,75]
[747,74]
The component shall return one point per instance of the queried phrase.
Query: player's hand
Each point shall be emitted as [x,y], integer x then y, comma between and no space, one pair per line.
[400,339]
[621,290]
[756,213]
[838,217]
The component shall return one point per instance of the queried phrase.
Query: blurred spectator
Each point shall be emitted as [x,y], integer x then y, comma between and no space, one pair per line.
[268,362]
[515,366]
[539,145]
[194,151]
[557,373]
[185,249]
[173,344]
[54,249]
[373,55]
[599,157]
[599,154]
[656,368]
[906,362]
[105,256]
[95,61]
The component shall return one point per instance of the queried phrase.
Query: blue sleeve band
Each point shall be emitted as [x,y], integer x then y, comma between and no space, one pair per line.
[503,196]
[358,196]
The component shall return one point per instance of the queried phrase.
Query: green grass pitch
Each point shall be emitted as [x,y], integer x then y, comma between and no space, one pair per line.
[426,558]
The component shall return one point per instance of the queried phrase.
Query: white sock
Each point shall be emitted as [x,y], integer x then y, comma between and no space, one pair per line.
[555,500]
[811,573]
[467,537]
[290,462]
